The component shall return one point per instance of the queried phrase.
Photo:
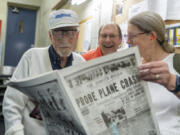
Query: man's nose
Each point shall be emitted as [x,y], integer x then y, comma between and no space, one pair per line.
[107,38]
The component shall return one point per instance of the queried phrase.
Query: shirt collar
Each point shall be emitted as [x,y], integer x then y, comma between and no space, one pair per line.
[99,51]
[55,60]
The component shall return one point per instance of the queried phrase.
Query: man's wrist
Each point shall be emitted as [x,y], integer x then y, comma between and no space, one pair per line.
[177,88]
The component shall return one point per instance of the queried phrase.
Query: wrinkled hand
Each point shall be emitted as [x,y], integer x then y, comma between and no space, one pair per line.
[158,72]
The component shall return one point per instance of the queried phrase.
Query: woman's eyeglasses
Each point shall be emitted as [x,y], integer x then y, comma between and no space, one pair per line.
[131,36]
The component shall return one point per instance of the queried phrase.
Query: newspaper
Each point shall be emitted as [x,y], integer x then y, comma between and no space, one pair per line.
[100,97]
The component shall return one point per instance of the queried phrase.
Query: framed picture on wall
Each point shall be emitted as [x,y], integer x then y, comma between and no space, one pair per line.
[119,9]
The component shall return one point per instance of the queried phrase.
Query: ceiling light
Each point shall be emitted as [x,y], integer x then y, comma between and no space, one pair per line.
[77,2]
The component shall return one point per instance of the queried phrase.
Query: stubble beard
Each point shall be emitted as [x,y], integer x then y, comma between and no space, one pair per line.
[64,52]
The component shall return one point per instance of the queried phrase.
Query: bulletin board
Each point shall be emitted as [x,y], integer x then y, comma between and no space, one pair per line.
[82,34]
[81,38]
[121,10]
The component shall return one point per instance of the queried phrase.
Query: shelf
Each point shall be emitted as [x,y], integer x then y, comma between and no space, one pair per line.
[5,77]
[2,90]
[3,81]
[3,86]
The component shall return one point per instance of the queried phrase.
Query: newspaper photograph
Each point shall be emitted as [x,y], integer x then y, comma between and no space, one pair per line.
[100,97]
[56,109]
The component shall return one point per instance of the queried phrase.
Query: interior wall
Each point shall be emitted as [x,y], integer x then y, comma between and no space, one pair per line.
[126,7]
[96,9]
[43,8]
[88,9]
[35,4]
[42,39]
[100,11]
[3,17]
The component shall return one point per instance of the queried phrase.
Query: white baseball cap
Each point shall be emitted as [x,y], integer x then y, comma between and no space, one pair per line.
[63,18]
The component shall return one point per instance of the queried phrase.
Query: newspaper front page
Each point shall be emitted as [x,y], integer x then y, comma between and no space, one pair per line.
[99,97]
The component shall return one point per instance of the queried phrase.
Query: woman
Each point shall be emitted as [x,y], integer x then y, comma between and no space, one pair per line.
[147,31]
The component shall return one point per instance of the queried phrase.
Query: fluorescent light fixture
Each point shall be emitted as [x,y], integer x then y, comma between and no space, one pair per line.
[77,2]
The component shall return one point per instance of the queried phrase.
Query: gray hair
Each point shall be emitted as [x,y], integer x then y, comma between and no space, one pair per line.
[150,21]
[116,25]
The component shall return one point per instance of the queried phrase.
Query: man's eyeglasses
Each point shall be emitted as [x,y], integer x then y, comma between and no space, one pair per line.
[59,34]
[131,37]
[104,36]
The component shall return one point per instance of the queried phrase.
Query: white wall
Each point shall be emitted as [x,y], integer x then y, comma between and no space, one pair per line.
[100,10]
[26,2]
[42,38]
[43,8]
[42,30]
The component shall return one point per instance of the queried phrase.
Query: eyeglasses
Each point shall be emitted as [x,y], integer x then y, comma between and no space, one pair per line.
[59,34]
[104,36]
[131,37]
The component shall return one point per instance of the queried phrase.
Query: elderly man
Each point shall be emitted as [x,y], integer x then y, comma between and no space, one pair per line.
[109,40]
[17,108]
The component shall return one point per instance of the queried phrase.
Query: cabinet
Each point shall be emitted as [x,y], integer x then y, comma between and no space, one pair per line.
[5,74]
[3,80]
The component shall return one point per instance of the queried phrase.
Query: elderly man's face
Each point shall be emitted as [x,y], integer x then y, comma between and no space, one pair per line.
[109,39]
[64,40]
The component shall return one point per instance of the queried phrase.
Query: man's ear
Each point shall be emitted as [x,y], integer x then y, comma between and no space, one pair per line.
[120,40]
[77,35]
[98,40]
[50,35]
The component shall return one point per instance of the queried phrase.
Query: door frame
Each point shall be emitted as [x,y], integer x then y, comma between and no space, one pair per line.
[4,26]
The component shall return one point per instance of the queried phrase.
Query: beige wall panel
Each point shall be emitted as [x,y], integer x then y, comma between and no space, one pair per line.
[126,5]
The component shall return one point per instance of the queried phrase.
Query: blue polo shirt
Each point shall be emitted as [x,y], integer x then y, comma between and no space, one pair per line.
[55,60]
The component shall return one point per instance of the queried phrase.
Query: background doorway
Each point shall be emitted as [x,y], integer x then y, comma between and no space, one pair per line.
[20,35]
